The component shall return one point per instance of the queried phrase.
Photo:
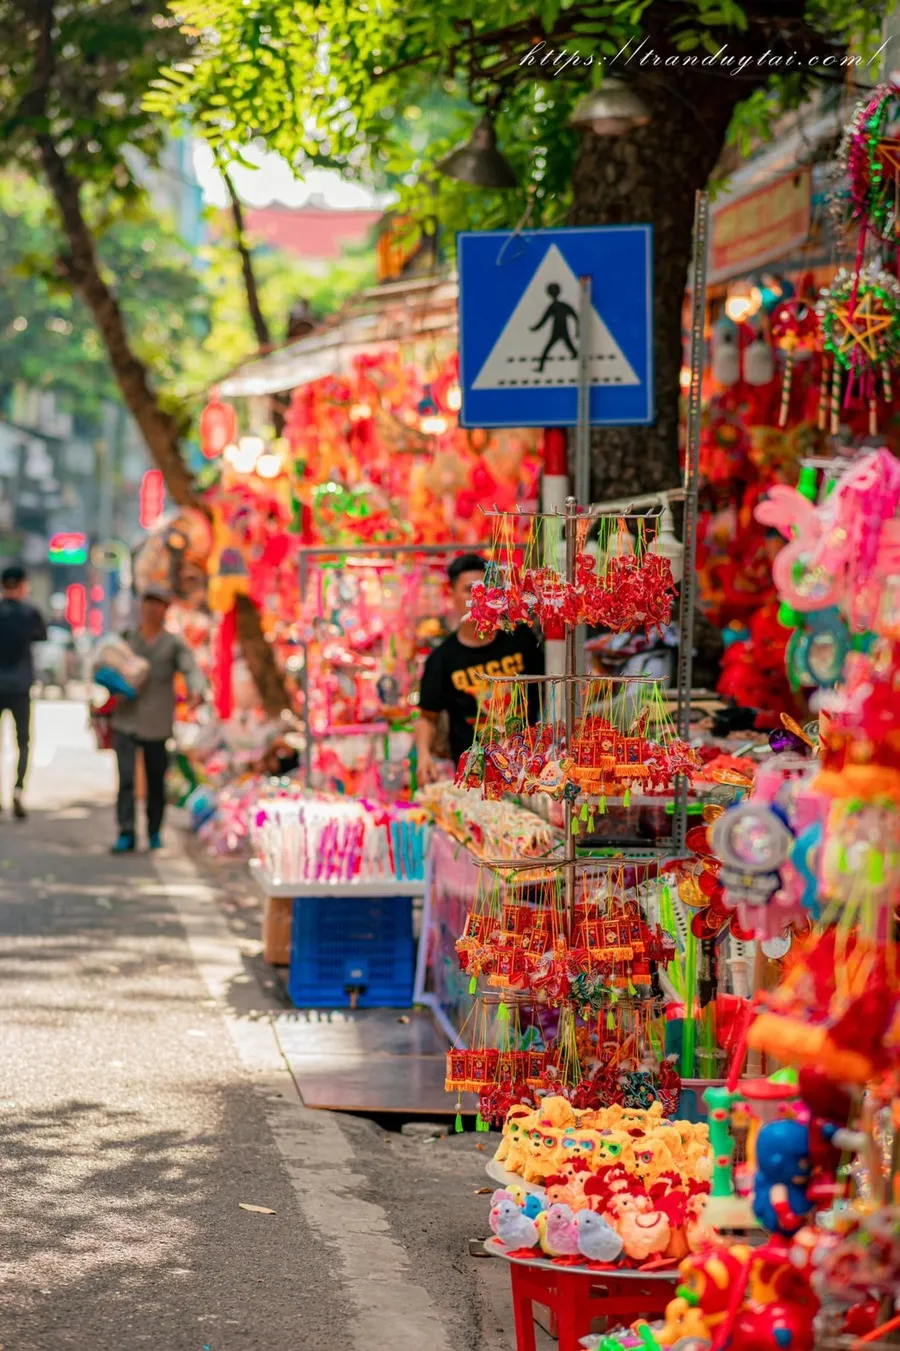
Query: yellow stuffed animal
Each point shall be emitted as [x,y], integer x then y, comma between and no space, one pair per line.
[518,1118]
[543,1158]
[615,1147]
[652,1158]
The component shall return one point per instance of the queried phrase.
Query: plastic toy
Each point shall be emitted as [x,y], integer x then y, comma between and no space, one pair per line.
[780,1200]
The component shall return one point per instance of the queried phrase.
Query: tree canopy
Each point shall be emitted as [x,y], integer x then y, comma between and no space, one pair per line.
[332,82]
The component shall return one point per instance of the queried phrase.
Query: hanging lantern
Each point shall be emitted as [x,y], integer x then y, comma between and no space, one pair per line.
[794,330]
[431,420]
[870,158]
[859,318]
[218,426]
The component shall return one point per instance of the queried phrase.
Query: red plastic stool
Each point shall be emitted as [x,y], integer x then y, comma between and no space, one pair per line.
[577,1296]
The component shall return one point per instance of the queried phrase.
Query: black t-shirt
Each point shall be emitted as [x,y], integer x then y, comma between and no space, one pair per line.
[454,678]
[20,626]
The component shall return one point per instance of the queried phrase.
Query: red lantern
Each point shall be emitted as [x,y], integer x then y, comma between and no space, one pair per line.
[218,426]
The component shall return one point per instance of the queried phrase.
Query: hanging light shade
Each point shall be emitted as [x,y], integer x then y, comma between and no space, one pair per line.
[478,161]
[218,426]
[612,109]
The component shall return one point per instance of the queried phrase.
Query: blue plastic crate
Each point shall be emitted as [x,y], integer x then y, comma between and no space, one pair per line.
[343,941]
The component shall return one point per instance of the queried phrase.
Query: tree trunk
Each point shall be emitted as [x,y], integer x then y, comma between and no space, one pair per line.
[159,428]
[260,658]
[650,176]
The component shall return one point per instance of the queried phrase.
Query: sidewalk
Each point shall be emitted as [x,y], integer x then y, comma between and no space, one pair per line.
[143,1098]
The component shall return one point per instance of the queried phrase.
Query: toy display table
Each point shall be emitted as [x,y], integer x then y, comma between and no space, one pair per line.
[576,1296]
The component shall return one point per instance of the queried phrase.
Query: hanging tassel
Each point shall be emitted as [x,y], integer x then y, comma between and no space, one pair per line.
[458,1124]
[583,814]
[601,806]
[479,1124]
[626,799]
[502,1013]
[473,985]
[575,825]
[876,867]
[610,1022]
[786,390]
[836,398]
[823,393]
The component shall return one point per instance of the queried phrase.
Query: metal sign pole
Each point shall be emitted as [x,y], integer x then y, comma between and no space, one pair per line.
[691,480]
[582,484]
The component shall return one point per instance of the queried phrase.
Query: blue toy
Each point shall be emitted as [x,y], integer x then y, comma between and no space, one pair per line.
[533,1205]
[783,1171]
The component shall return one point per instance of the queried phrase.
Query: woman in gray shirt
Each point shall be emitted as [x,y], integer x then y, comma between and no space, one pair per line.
[146,721]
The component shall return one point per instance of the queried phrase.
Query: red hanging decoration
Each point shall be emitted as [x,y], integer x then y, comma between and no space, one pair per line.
[218,426]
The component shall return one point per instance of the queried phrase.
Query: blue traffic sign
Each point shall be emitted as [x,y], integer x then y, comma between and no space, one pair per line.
[519,340]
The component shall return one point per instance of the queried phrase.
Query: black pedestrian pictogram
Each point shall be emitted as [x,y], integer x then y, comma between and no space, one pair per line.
[560,313]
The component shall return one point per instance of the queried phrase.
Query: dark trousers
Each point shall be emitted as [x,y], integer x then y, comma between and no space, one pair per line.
[156,759]
[19,705]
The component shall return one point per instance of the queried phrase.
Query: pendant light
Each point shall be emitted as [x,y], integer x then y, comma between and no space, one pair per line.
[478,161]
[612,109]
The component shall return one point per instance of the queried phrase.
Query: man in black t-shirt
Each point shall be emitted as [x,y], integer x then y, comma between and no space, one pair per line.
[20,626]
[454,674]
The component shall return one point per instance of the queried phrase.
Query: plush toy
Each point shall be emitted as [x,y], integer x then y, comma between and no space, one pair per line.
[581,1144]
[597,1240]
[558,1231]
[513,1228]
[645,1232]
[615,1146]
[542,1160]
[652,1157]
[518,1118]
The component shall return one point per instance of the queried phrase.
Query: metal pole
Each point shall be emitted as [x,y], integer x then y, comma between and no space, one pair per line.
[691,478]
[570,692]
[583,430]
[304,677]
[554,491]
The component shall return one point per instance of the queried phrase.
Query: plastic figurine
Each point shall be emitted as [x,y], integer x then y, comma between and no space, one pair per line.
[780,1200]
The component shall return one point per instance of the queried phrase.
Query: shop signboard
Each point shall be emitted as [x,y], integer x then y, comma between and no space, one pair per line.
[519,326]
[761,227]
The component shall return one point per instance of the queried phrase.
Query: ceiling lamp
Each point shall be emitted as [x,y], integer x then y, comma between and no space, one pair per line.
[612,109]
[478,161]
[667,544]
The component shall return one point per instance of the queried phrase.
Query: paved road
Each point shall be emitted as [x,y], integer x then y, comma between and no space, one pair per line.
[143,1098]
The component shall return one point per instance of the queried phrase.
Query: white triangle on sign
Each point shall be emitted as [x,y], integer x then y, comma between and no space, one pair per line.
[538,348]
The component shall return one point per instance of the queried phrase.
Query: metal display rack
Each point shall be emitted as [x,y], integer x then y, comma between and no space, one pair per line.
[363,553]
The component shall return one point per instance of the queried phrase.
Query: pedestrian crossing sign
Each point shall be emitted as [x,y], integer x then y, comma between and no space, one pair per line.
[519,326]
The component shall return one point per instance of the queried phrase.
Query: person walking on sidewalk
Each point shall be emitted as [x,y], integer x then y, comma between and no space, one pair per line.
[21,625]
[145,722]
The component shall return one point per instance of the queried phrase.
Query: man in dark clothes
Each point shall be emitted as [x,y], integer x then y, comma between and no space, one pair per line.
[454,675]
[20,626]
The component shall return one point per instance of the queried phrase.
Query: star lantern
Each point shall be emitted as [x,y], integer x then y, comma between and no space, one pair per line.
[859,319]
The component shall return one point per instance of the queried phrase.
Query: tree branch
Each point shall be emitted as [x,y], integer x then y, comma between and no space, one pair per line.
[257,318]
